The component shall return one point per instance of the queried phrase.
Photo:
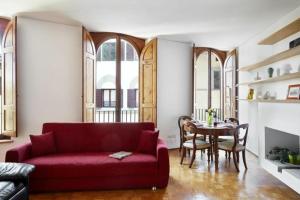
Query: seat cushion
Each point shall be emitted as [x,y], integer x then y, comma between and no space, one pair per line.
[82,165]
[200,144]
[190,136]
[225,138]
[227,145]
[42,144]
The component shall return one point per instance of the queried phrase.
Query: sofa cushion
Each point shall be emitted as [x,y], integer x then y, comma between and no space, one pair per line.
[42,144]
[148,142]
[81,165]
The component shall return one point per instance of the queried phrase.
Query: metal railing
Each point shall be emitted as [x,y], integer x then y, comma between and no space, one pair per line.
[127,115]
[201,114]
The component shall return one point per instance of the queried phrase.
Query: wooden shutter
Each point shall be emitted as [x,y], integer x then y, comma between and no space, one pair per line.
[89,77]
[9,87]
[148,64]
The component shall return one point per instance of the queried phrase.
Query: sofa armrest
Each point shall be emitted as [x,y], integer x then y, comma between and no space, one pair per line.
[18,154]
[15,171]
[163,163]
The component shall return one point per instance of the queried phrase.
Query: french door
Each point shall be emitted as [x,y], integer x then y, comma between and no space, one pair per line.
[8,80]
[230,85]
[119,78]
[117,85]
[215,79]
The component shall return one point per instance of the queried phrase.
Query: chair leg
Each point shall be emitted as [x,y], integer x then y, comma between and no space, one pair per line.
[208,154]
[226,154]
[189,152]
[238,156]
[183,154]
[235,161]
[180,147]
[211,154]
[229,155]
[244,159]
[193,157]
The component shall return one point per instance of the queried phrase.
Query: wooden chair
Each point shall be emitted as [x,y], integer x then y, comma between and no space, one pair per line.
[227,138]
[237,145]
[195,144]
[184,136]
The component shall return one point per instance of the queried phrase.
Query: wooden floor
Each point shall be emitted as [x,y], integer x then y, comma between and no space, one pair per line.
[199,183]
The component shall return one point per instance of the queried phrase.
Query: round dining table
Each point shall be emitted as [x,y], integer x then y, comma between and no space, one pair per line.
[220,129]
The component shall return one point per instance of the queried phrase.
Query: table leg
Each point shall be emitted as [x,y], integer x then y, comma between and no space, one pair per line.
[216,151]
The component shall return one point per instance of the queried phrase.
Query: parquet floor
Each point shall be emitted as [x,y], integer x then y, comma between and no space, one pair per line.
[199,183]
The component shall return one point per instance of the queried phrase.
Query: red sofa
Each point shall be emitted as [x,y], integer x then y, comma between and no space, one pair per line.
[81,161]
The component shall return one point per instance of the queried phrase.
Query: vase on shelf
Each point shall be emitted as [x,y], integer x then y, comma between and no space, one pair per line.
[270,71]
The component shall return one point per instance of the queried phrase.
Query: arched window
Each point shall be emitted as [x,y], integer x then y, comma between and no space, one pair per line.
[117,82]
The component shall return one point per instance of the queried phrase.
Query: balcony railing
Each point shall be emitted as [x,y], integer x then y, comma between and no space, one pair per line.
[201,114]
[127,115]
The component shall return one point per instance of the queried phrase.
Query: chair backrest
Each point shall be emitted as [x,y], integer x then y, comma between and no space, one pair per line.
[232,120]
[240,134]
[181,119]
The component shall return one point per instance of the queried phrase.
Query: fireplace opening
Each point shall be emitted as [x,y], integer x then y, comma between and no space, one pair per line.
[282,148]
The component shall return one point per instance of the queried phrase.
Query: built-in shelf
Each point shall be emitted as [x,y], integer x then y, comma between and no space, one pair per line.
[272,100]
[275,58]
[282,33]
[274,79]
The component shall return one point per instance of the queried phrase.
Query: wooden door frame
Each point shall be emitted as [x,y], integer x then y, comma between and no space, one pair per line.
[99,38]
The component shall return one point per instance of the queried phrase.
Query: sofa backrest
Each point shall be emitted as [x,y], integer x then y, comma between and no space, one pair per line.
[96,137]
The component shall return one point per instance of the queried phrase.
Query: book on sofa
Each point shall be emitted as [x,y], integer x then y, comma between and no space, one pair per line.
[120,155]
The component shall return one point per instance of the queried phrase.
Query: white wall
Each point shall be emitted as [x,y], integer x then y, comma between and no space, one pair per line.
[49,74]
[284,117]
[174,87]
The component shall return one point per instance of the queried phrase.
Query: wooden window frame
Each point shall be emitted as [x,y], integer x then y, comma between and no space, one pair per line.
[99,38]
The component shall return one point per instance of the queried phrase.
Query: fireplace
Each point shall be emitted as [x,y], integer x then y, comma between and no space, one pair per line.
[282,141]
[280,168]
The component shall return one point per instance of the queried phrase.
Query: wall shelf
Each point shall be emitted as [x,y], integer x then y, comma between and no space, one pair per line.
[282,33]
[272,100]
[275,58]
[274,79]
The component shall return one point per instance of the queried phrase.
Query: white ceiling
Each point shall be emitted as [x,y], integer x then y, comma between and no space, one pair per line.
[221,24]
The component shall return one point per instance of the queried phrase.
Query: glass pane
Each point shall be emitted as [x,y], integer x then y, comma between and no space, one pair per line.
[107,51]
[113,95]
[106,95]
[216,85]
[201,86]
[129,83]
[106,81]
